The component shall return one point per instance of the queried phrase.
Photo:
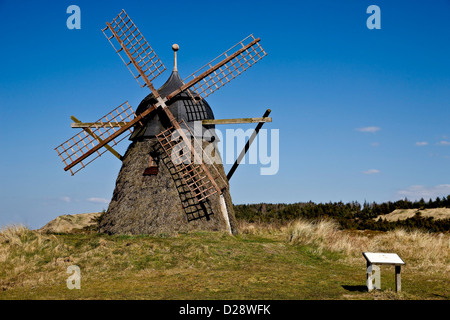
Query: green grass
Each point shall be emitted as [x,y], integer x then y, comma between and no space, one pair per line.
[200,265]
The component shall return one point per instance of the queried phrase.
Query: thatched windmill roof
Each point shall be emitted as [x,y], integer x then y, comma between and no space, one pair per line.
[182,106]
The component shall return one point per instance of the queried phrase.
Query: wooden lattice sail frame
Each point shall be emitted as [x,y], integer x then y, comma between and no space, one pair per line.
[178,150]
[75,149]
[123,33]
[245,54]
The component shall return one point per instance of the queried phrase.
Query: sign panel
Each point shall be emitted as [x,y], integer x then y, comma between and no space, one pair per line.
[383,258]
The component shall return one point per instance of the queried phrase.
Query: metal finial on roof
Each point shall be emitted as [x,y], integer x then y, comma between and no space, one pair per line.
[175,48]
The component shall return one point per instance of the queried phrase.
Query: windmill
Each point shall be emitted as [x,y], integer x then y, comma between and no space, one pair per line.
[163,171]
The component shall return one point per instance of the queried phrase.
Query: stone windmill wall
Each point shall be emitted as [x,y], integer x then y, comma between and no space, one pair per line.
[160,203]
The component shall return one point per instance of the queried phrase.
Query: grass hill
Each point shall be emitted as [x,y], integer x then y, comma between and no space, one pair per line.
[72,223]
[294,260]
[403,214]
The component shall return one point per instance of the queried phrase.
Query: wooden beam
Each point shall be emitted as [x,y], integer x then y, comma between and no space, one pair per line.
[204,122]
[92,134]
[236,121]
[96,124]
[247,146]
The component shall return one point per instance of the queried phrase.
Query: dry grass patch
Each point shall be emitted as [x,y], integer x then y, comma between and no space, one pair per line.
[422,251]
[25,253]
[262,228]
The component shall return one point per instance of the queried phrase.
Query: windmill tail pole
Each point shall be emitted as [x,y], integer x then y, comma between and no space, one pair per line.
[247,146]
[223,207]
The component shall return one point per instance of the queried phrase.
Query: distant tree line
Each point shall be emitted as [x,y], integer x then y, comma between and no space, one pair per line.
[351,215]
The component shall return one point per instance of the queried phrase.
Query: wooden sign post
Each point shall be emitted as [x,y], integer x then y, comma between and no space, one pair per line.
[374,259]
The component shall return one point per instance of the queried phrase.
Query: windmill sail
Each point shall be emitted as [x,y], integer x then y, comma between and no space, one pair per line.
[126,38]
[193,174]
[106,131]
[224,68]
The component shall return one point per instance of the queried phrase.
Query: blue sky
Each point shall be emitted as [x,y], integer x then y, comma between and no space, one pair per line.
[362,114]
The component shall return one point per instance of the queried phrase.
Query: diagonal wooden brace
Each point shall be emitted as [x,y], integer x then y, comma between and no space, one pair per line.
[247,146]
[92,134]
